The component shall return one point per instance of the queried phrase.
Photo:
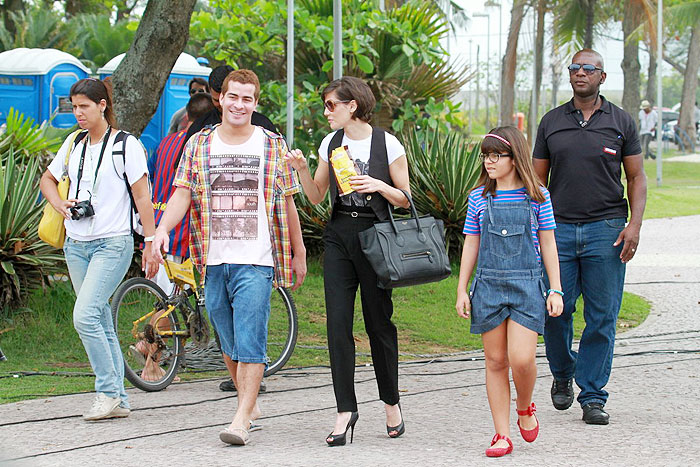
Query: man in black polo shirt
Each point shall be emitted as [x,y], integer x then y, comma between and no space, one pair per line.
[581,147]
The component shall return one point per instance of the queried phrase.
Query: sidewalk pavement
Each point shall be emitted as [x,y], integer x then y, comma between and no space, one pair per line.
[653,404]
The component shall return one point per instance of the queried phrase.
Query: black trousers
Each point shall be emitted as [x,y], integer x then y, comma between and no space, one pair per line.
[344,268]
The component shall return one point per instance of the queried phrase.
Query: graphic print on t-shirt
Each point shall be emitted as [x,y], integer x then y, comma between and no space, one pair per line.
[355,198]
[234,197]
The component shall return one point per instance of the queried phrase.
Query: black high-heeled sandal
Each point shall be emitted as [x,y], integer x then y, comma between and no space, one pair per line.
[399,429]
[340,439]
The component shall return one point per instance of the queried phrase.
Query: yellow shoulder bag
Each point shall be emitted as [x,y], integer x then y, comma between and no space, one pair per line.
[51,227]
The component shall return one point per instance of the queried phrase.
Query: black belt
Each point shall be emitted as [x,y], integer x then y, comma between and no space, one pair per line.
[357,214]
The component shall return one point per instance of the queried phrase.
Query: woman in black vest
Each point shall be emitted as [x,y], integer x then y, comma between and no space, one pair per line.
[380,162]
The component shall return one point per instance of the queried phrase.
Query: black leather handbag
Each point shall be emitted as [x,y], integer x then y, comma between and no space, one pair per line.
[408,251]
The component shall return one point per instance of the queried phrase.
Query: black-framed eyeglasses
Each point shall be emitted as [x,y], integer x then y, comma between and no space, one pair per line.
[587,68]
[330,105]
[194,91]
[493,156]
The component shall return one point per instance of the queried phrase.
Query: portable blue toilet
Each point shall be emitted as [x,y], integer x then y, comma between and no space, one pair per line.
[36,82]
[175,95]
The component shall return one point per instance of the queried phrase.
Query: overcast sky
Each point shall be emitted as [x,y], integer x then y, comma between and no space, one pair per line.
[611,50]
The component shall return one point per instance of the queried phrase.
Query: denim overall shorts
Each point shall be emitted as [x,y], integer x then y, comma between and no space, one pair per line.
[508,281]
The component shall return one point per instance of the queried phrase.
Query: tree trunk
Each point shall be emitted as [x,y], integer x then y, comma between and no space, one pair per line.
[630,61]
[690,84]
[539,46]
[510,61]
[650,93]
[590,23]
[678,66]
[555,63]
[140,78]
[123,11]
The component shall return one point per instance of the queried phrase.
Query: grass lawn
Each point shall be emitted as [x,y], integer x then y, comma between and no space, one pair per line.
[679,193]
[43,339]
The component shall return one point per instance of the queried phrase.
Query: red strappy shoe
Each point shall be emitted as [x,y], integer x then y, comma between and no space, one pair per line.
[499,452]
[529,435]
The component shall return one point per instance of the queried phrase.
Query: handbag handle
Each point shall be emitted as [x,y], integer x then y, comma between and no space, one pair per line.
[413,211]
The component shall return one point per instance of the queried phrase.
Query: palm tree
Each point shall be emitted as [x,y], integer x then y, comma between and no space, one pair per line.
[683,17]
[510,61]
[637,18]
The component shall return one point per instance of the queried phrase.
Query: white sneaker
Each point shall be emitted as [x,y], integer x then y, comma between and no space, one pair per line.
[119,412]
[102,407]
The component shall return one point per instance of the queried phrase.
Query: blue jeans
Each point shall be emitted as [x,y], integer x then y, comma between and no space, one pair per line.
[96,268]
[237,298]
[591,266]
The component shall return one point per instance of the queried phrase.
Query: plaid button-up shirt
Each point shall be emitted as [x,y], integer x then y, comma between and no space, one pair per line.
[278,183]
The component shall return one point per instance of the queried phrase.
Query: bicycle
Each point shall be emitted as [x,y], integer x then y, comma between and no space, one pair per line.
[152,327]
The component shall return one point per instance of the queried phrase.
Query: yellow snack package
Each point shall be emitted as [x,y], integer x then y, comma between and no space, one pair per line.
[343,168]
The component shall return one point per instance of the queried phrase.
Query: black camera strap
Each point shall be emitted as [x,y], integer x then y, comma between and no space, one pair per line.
[86,141]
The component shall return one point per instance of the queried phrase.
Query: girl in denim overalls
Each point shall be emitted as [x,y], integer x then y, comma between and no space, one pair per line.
[509,221]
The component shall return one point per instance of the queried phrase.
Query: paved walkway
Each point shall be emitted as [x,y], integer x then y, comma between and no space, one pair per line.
[654,405]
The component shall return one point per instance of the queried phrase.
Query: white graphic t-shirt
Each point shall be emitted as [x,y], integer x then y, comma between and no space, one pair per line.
[239,227]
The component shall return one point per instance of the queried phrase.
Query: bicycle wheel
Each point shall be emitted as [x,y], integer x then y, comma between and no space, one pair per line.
[282,329]
[134,299]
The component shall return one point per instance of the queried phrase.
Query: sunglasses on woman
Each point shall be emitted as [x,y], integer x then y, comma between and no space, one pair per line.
[587,68]
[330,105]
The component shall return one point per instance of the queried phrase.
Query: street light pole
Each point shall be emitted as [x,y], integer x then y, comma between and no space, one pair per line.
[337,39]
[489,4]
[290,73]
[659,92]
[471,116]
[488,59]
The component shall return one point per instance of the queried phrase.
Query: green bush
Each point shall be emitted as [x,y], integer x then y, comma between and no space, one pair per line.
[26,261]
[443,169]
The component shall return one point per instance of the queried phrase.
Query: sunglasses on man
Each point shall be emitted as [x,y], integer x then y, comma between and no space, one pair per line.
[587,68]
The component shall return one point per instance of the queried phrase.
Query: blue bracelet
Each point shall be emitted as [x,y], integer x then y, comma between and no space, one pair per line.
[551,291]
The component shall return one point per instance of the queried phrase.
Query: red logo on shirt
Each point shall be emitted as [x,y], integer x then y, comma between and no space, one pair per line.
[609,151]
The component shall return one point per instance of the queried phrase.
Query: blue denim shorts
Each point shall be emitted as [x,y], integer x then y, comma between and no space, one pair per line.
[238,302]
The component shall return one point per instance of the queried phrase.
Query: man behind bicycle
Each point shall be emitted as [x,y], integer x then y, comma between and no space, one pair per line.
[244,228]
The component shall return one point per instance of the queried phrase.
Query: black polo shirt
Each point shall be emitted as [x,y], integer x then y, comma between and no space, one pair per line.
[586,160]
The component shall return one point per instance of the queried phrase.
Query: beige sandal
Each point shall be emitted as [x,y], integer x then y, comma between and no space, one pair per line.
[234,436]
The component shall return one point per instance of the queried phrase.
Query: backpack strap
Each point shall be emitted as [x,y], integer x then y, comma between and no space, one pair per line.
[121,137]
[75,137]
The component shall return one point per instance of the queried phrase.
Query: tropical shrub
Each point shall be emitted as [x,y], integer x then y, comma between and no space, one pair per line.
[398,52]
[28,140]
[444,167]
[26,261]
[35,27]
[99,40]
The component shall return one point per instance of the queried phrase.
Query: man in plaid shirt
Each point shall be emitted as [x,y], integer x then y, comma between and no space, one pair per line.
[245,234]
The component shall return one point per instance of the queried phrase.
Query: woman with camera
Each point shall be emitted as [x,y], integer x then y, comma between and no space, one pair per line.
[99,243]
[380,173]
